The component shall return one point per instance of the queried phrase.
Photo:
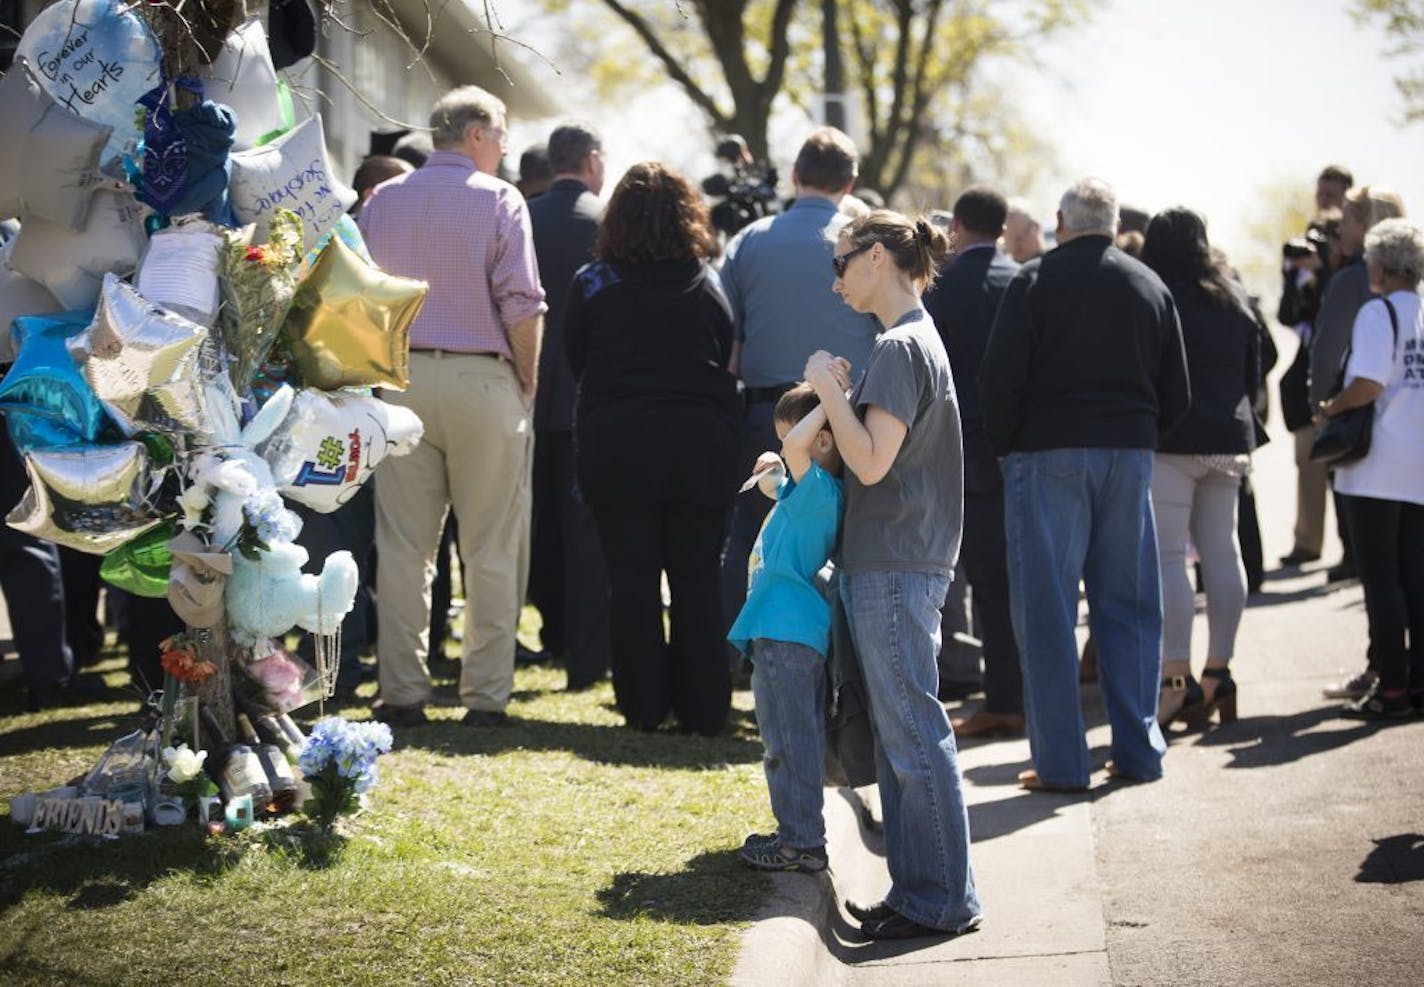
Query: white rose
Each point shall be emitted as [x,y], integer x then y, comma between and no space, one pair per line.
[183,764]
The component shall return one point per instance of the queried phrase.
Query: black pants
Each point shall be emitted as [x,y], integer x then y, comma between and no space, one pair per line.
[352,526]
[32,583]
[80,573]
[984,555]
[568,580]
[1388,540]
[686,671]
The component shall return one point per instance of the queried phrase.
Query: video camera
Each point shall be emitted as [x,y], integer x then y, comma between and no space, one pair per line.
[1313,243]
[747,190]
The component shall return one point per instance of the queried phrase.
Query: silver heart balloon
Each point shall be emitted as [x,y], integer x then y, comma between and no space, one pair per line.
[91,498]
[143,362]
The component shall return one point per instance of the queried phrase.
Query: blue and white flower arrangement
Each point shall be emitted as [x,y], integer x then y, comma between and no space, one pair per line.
[338,760]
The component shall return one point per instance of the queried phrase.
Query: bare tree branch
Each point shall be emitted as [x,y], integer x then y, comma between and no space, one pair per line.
[670,62]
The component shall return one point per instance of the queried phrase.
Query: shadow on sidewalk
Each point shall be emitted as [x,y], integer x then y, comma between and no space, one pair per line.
[1394,860]
[1268,741]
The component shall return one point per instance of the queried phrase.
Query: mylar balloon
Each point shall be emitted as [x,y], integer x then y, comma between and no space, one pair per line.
[292,172]
[19,296]
[46,400]
[96,58]
[242,77]
[350,322]
[49,158]
[350,235]
[141,566]
[142,362]
[330,443]
[91,498]
[72,265]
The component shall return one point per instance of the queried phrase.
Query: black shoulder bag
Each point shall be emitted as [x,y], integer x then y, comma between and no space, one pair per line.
[1345,438]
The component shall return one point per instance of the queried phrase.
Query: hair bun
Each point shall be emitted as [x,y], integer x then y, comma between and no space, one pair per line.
[922,232]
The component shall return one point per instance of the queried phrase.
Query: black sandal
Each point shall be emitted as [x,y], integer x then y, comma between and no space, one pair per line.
[1223,700]
[1193,710]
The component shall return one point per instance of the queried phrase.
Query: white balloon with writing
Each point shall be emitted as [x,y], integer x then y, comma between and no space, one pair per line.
[96,58]
[72,265]
[332,441]
[292,172]
[49,158]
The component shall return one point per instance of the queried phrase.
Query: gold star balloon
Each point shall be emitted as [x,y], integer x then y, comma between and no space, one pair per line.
[350,322]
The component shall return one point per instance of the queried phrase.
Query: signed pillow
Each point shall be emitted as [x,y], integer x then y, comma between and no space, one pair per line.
[293,172]
[72,265]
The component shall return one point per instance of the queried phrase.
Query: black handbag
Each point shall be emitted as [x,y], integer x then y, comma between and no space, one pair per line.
[1345,438]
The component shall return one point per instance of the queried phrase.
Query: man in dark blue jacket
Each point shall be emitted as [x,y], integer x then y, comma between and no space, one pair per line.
[567,579]
[963,303]
[1084,369]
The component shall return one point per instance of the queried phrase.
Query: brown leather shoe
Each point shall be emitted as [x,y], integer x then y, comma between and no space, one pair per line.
[1029,779]
[986,724]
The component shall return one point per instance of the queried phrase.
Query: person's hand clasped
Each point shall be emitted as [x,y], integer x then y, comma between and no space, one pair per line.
[823,369]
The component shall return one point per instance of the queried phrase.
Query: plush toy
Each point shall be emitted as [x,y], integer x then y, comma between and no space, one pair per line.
[269,596]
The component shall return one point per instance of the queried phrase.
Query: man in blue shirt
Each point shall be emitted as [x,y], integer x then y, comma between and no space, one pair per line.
[777,277]
[785,628]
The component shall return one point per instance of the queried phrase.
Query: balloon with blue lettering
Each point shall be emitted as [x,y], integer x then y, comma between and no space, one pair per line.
[293,172]
[96,58]
[332,441]
[45,398]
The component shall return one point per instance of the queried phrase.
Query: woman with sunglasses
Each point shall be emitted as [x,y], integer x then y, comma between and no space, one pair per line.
[899,437]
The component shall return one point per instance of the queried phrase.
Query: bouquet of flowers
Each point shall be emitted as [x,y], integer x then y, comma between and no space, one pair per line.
[338,760]
[258,283]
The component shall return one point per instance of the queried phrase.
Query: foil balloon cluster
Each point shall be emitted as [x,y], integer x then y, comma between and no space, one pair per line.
[151,334]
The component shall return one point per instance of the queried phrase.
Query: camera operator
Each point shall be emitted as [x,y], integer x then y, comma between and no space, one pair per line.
[747,190]
[1307,263]
[777,278]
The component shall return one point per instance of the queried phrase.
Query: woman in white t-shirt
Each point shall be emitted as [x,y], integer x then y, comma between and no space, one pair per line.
[1383,493]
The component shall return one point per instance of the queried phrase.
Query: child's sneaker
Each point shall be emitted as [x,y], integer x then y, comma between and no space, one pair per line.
[778,856]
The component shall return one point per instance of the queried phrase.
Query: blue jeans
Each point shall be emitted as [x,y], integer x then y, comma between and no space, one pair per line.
[895,624]
[789,684]
[1086,514]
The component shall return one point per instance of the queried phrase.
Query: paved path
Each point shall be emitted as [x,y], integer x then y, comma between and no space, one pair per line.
[1287,848]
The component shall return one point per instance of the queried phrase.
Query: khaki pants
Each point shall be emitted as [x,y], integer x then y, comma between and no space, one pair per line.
[475,458]
[1310,479]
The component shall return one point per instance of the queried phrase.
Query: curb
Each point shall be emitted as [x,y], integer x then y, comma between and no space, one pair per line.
[790,938]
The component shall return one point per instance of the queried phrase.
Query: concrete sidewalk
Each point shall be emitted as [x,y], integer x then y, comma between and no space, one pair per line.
[1285,848]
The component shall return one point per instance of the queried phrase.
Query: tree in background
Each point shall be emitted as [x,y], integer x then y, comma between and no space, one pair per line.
[1404,25]
[916,69]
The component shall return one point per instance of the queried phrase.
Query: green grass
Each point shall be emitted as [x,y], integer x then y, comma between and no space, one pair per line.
[562,849]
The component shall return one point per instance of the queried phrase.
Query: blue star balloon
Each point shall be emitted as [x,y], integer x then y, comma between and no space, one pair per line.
[45,398]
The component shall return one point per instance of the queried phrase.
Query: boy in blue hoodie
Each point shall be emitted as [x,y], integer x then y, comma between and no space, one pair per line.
[785,628]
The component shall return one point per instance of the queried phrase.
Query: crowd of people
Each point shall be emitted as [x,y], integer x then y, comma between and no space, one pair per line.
[927,411]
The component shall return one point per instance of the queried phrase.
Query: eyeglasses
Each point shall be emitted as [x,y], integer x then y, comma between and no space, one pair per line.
[841,262]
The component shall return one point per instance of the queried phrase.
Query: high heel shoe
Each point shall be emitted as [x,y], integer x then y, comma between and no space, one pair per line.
[1223,699]
[1192,712]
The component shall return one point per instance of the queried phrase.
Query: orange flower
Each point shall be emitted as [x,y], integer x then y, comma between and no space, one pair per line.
[180,660]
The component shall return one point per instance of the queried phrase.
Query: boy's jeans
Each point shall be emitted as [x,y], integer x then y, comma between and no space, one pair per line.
[895,623]
[1086,514]
[789,685]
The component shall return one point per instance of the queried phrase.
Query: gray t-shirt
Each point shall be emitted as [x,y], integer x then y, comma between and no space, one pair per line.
[913,518]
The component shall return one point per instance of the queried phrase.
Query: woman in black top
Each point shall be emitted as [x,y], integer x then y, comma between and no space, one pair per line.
[1196,475]
[649,335]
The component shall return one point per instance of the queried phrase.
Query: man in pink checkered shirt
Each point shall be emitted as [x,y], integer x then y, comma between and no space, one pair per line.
[473,367]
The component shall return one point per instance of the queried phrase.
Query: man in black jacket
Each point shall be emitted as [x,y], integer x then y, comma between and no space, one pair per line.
[962,303]
[1084,367]
[567,580]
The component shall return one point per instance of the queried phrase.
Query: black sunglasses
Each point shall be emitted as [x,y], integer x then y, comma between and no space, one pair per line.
[841,262]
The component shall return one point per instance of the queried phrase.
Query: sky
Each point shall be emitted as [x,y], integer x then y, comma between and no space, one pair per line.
[1204,104]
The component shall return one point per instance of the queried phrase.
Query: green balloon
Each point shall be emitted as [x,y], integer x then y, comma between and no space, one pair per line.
[141,566]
